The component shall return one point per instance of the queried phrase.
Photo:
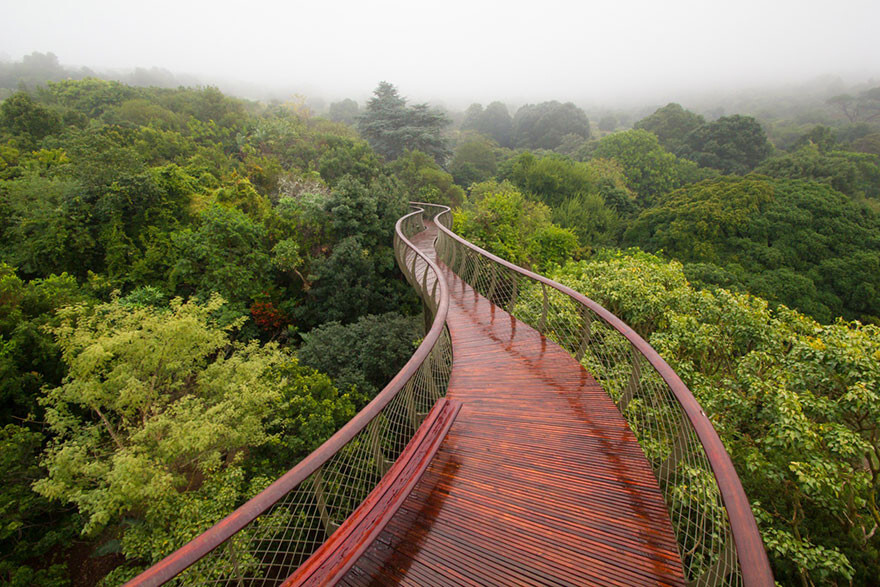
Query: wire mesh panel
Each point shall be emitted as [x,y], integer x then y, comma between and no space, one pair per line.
[265,540]
[718,539]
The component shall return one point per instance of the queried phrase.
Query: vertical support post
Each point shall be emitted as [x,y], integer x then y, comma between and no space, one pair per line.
[678,451]
[230,546]
[492,283]
[721,568]
[318,486]
[429,371]
[409,400]
[586,332]
[544,309]
[515,293]
[476,276]
[382,463]
[427,315]
[633,384]
[415,280]
[451,254]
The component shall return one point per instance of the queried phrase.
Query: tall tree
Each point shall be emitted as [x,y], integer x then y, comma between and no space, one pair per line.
[542,126]
[494,122]
[391,127]
[671,124]
[733,144]
[345,111]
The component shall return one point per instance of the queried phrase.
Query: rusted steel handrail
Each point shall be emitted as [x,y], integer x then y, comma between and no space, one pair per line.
[266,539]
[716,547]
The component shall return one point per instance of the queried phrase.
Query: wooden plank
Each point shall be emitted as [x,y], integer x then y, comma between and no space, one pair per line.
[333,559]
[539,481]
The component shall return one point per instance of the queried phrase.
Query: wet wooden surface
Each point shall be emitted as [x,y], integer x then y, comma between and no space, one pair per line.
[539,480]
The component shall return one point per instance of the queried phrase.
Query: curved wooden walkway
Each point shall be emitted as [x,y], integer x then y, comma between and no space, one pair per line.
[539,481]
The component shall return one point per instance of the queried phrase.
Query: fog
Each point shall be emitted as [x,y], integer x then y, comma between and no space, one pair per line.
[457,52]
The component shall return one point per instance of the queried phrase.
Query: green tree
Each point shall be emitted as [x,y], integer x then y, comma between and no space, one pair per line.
[588,217]
[227,253]
[391,127]
[158,414]
[474,160]
[28,121]
[344,111]
[822,136]
[33,530]
[550,179]
[504,222]
[494,122]
[671,124]
[868,144]
[365,354]
[792,241]
[733,144]
[650,170]
[864,107]
[608,123]
[542,126]
[854,174]
[425,181]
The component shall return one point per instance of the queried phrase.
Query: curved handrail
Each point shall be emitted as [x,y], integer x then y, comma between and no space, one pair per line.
[316,492]
[717,566]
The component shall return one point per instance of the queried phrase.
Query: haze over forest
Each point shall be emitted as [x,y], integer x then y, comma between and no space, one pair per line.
[199,288]
[628,53]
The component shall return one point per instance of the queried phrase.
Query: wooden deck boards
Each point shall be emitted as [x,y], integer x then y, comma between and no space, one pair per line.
[539,481]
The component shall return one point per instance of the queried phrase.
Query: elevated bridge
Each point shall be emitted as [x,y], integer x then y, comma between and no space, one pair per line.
[533,438]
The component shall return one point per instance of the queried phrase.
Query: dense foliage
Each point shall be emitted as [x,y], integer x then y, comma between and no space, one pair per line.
[795,402]
[793,241]
[196,291]
[503,221]
[365,354]
[545,125]
[140,418]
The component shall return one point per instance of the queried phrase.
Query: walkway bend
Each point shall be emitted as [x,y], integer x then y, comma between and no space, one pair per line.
[495,457]
[539,481]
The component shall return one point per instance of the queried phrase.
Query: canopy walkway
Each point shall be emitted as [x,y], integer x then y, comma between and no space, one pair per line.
[533,438]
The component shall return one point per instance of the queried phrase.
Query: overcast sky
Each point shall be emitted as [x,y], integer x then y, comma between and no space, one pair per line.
[461,51]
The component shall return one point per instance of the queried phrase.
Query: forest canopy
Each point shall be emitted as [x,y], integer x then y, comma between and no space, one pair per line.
[197,290]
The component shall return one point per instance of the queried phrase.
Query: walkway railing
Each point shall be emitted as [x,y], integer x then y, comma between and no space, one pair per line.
[718,537]
[267,538]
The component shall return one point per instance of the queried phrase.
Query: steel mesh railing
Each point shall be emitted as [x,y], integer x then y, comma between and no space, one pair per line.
[265,540]
[717,536]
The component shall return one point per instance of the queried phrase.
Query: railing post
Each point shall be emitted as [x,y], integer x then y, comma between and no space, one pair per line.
[678,451]
[415,279]
[721,568]
[476,276]
[382,463]
[429,369]
[633,384]
[318,487]
[493,283]
[542,324]
[230,547]
[515,293]
[450,253]
[586,333]
[409,400]
[464,257]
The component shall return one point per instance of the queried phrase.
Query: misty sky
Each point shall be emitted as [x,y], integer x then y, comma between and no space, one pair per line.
[462,50]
